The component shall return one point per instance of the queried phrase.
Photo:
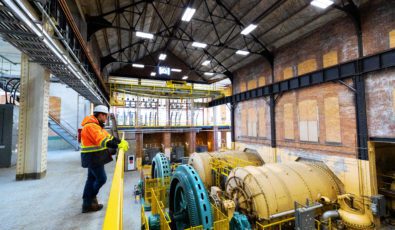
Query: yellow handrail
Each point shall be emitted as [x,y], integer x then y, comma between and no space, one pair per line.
[113,219]
[277,223]
[159,208]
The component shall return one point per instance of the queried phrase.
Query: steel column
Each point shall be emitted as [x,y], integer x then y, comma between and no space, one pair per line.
[272,104]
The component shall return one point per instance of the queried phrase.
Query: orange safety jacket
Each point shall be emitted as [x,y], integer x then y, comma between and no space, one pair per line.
[94,143]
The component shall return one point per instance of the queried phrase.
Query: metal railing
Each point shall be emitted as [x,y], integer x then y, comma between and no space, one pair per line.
[114,213]
[221,221]
[70,130]
[223,166]
[158,208]
[144,219]
[160,187]
[278,224]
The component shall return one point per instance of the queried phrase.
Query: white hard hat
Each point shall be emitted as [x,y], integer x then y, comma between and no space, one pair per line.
[100,109]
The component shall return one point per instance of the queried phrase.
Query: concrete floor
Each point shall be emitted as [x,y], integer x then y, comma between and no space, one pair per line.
[54,202]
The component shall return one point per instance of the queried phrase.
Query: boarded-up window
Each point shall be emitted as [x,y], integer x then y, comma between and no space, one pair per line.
[261,81]
[307,66]
[242,86]
[55,107]
[330,59]
[243,124]
[223,110]
[251,84]
[332,120]
[308,120]
[288,73]
[262,121]
[252,122]
[392,39]
[289,121]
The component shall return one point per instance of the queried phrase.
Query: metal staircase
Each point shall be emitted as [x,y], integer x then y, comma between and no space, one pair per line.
[11,86]
[63,132]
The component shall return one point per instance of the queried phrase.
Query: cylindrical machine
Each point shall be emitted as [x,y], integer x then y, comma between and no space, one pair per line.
[201,162]
[189,204]
[260,192]
[160,167]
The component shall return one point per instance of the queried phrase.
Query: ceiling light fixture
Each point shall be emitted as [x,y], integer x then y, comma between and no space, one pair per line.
[162,57]
[199,45]
[176,70]
[248,29]
[208,74]
[144,35]
[206,62]
[185,77]
[153,74]
[188,14]
[138,65]
[323,4]
[242,52]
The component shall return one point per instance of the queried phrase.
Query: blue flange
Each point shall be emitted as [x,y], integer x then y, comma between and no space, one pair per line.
[239,222]
[154,222]
[189,203]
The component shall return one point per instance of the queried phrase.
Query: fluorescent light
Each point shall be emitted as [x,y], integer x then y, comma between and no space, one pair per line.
[144,35]
[321,3]
[248,29]
[153,74]
[187,16]
[162,57]
[185,77]
[199,45]
[208,74]
[242,52]
[206,62]
[176,70]
[138,65]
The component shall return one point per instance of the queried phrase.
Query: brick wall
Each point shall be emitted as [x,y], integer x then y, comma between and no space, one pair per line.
[380,103]
[378,20]
[257,73]
[319,94]
[313,51]
[333,43]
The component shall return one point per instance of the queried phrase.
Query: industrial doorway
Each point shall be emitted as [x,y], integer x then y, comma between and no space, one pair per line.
[383,155]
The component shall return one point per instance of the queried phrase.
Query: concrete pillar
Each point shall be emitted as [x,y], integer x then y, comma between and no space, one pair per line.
[223,139]
[167,143]
[139,145]
[212,140]
[33,121]
[168,118]
[191,142]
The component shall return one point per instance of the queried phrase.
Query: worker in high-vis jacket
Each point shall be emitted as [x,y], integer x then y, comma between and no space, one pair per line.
[95,141]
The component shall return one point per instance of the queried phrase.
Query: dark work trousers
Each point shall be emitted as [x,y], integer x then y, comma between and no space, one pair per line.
[96,179]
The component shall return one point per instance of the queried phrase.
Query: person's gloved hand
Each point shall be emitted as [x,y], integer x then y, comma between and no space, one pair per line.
[123,145]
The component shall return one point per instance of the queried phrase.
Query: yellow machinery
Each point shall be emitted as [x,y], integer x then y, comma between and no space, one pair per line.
[254,196]
[266,191]
[221,162]
[172,89]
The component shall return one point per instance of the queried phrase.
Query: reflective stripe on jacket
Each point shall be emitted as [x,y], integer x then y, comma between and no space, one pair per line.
[94,140]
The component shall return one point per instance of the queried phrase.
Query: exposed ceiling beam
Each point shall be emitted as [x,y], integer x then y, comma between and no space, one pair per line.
[120,9]
[265,52]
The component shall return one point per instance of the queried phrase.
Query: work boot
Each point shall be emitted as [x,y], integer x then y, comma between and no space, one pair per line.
[93,208]
[94,200]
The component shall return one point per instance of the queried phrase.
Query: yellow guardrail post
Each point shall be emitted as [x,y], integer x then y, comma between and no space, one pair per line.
[113,219]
